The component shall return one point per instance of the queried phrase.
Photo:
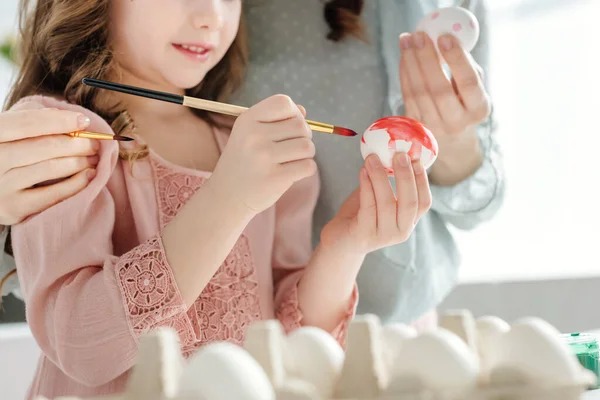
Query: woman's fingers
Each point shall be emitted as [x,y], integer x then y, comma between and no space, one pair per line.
[41,198]
[410,105]
[35,150]
[20,205]
[27,123]
[46,171]
[419,92]
[467,77]
[438,85]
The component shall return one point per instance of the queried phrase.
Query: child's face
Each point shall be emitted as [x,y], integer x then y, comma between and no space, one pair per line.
[172,43]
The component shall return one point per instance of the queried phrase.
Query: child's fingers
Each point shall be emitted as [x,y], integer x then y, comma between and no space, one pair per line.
[423,190]
[384,197]
[406,190]
[367,212]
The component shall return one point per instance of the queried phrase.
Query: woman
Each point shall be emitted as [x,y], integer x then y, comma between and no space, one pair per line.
[323,64]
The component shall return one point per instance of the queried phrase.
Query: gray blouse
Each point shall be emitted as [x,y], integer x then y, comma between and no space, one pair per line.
[352,84]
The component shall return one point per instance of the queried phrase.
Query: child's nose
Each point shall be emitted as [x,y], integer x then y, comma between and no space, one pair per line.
[207,14]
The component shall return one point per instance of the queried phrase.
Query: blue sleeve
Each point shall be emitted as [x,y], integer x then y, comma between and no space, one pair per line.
[479,197]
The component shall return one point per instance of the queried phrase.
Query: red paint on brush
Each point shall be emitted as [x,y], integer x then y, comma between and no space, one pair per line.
[338,130]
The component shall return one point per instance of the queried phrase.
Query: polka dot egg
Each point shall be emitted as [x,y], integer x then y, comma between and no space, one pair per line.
[455,20]
[390,135]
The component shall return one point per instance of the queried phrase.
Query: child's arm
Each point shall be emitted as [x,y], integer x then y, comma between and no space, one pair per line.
[87,307]
[291,255]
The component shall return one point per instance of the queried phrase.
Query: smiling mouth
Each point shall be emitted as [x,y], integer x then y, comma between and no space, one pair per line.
[195,51]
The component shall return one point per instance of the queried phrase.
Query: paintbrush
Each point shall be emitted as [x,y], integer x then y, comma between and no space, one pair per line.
[201,104]
[98,136]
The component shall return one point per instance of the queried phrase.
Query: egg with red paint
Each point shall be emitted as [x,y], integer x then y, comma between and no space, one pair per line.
[457,21]
[390,135]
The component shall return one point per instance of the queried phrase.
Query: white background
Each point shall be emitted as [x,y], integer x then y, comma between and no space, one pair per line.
[545,82]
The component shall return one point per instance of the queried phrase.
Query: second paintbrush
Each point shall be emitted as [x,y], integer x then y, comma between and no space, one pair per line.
[201,104]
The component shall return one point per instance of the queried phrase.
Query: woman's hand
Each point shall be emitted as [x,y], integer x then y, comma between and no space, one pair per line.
[373,217]
[450,108]
[34,151]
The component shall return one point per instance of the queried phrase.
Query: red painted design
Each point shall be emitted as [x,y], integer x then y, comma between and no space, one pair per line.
[407,129]
[457,27]
[435,15]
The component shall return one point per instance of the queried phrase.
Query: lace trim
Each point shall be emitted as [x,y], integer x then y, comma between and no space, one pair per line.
[148,287]
[230,301]
[290,315]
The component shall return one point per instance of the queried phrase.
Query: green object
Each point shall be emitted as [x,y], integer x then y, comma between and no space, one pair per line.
[586,349]
[7,50]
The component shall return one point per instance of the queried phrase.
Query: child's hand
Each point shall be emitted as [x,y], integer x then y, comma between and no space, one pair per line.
[270,148]
[372,217]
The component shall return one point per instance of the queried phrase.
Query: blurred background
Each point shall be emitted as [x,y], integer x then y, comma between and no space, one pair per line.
[539,255]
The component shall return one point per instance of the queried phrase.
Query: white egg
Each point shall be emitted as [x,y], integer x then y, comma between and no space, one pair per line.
[455,20]
[314,356]
[436,360]
[489,331]
[393,337]
[224,371]
[533,351]
[390,135]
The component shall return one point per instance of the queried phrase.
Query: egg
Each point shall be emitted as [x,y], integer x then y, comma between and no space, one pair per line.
[158,367]
[457,21]
[438,360]
[393,337]
[265,342]
[390,135]
[314,356]
[224,371]
[489,332]
[532,351]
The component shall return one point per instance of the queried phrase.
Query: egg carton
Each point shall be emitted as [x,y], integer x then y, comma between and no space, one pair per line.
[462,359]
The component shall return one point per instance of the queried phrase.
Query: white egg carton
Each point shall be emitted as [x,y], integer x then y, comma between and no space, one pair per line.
[464,359]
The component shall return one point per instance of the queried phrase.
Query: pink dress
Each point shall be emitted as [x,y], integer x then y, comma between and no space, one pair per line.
[95,276]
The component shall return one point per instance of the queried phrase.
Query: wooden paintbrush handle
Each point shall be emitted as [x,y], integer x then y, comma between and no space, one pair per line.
[213,106]
[229,109]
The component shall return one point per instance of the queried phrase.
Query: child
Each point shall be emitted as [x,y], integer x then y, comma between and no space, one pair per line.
[193,226]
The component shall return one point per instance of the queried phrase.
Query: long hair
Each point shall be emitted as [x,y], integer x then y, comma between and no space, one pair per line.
[344,19]
[63,41]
